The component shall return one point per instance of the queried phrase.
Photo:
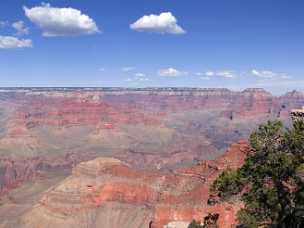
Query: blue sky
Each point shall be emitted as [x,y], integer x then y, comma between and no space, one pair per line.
[211,43]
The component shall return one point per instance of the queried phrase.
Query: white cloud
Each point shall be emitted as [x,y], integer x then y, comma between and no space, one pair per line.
[267,74]
[255,72]
[143,79]
[140,75]
[210,73]
[20,27]
[128,68]
[137,79]
[205,75]
[7,42]
[264,73]
[101,69]
[225,74]
[170,72]
[61,21]
[163,23]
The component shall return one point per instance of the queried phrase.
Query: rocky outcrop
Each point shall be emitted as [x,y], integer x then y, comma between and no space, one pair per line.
[167,146]
[111,108]
[15,172]
[108,188]
[76,107]
[153,128]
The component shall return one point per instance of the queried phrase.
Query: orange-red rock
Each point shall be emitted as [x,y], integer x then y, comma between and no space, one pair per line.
[181,195]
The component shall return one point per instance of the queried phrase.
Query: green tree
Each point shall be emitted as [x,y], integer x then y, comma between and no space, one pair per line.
[195,224]
[271,182]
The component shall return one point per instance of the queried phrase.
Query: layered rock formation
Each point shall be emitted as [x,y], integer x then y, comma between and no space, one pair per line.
[156,128]
[161,149]
[16,172]
[107,192]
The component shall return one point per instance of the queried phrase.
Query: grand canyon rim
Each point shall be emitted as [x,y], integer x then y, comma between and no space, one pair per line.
[151,114]
[124,157]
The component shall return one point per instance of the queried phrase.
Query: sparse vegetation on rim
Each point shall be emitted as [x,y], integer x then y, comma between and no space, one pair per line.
[271,182]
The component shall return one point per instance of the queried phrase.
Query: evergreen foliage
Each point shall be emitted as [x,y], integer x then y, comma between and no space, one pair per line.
[195,224]
[271,182]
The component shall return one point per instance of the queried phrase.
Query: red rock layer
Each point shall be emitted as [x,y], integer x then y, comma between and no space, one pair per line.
[178,196]
[115,108]
[68,112]
[32,109]
[13,173]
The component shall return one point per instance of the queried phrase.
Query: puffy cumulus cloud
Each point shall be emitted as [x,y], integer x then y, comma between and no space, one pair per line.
[263,74]
[20,28]
[209,74]
[9,42]
[61,21]
[225,74]
[163,23]
[143,79]
[267,74]
[139,77]
[205,75]
[170,72]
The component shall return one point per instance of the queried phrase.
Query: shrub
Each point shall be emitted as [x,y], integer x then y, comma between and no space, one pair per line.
[273,176]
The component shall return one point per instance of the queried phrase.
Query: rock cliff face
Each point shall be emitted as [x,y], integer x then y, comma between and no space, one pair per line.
[159,128]
[151,153]
[109,193]
[16,172]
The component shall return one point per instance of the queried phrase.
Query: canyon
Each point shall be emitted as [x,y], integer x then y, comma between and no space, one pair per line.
[79,157]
